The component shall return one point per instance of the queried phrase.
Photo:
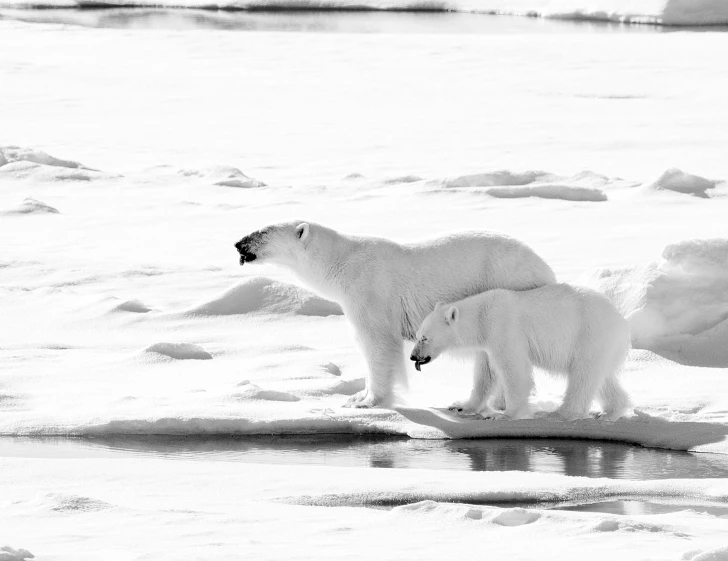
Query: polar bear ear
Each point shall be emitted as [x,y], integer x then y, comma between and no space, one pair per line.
[452,315]
[302,231]
[439,305]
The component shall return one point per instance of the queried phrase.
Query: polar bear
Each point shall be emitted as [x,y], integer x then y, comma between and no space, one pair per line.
[563,329]
[386,289]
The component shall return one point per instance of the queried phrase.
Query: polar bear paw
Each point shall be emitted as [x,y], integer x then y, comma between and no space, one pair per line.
[361,400]
[496,416]
[609,416]
[463,408]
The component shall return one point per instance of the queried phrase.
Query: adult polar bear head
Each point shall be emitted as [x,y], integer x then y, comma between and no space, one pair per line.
[308,249]
[386,289]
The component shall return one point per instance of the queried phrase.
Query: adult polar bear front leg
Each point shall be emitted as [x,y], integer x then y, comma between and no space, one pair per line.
[385,361]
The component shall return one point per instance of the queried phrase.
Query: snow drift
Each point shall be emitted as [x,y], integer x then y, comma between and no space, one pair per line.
[10,154]
[30,206]
[261,294]
[681,182]
[179,351]
[223,176]
[504,184]
[678,306]
[8,553]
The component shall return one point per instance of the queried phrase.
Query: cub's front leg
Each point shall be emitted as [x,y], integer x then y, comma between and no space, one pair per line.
[484,385]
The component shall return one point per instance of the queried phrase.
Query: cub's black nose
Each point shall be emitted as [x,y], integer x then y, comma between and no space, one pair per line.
[419,361]
[239,246]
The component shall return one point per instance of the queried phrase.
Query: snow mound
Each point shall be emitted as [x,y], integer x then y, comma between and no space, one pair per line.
[179,351]
[16,154]
[515,517]
[554,191]
[251,392]
[681,182]
[8,553]
[261,294]
[334,387]
[66,503]
[495,178]
[31,206]
[677,307]
[224,176]
[717,554]
[133,306]
[402,179]
[23,169]
[331,368]
[513,185]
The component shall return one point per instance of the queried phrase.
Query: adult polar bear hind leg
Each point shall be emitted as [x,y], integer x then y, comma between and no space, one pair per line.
[386,289]
[563,329]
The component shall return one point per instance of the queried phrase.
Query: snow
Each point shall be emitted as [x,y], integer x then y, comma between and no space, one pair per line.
[197,138]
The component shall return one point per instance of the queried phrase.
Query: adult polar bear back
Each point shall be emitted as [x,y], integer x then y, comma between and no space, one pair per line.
[386,289]
[561,328]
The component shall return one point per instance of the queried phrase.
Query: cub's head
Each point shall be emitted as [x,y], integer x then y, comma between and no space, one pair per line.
[436,334]
[282,244]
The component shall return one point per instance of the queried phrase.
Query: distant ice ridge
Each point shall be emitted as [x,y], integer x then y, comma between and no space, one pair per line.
[657,12]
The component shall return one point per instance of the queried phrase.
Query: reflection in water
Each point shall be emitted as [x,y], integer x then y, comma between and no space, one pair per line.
[632,507]
[317,21]
[567,457]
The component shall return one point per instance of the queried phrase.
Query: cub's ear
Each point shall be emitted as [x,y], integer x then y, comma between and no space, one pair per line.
[452,315]
[302,231]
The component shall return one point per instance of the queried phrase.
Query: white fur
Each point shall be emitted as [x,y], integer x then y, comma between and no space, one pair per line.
[386,289]
[564,329]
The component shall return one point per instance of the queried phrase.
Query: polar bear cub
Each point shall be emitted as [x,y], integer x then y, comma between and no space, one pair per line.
[563,329]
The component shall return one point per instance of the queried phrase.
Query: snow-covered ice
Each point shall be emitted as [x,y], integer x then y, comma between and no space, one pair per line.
[159,155]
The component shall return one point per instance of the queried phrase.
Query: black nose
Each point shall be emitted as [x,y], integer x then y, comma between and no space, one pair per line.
[420,361]
[239,246]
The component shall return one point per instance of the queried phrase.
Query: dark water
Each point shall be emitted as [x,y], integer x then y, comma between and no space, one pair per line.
[583,458]
[316,21]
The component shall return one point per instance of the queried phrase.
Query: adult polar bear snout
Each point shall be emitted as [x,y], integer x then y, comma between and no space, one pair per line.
[273,242]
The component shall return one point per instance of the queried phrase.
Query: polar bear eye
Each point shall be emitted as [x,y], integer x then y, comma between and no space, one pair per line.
[423,339]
